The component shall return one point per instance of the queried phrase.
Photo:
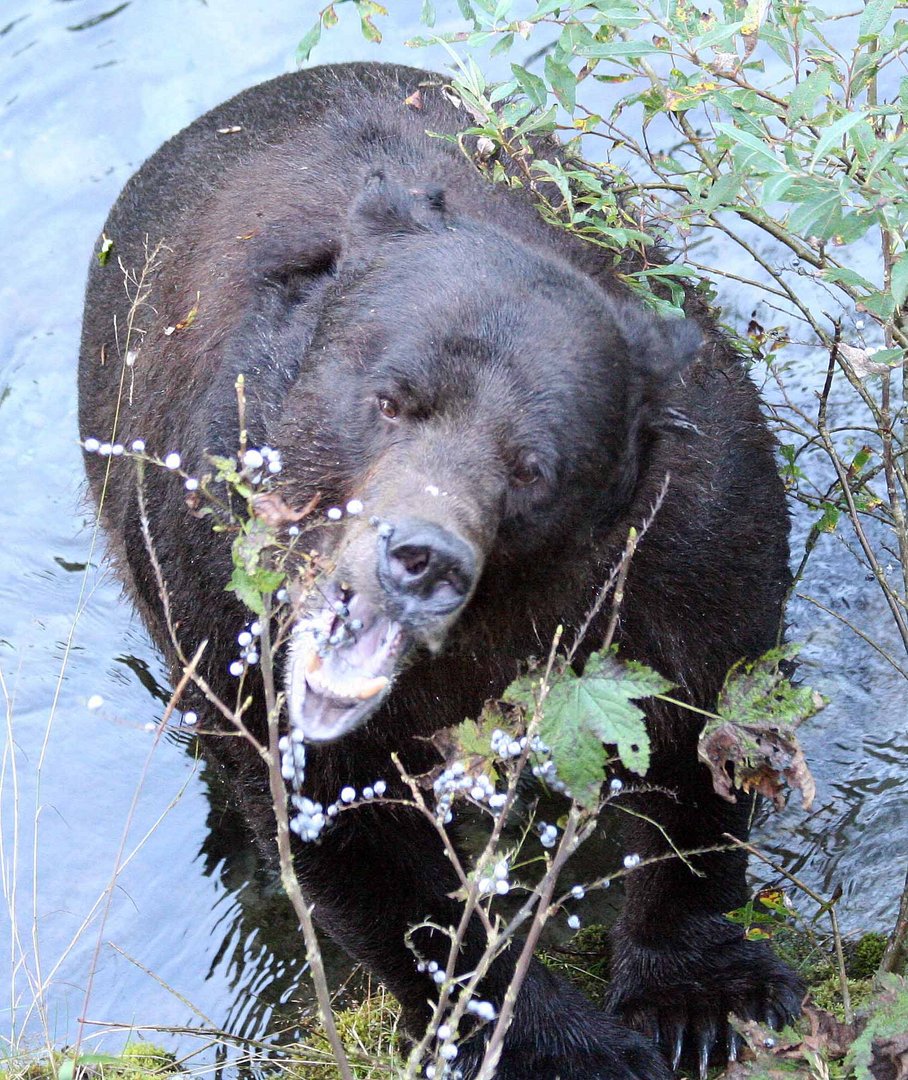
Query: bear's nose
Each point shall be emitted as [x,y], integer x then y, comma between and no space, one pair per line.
[425,570]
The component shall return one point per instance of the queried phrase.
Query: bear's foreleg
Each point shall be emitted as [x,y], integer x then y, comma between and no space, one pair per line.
[679,965]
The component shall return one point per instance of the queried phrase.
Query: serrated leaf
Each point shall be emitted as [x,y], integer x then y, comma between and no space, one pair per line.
[242,585]
[752,745]
[584,714]
[759,692]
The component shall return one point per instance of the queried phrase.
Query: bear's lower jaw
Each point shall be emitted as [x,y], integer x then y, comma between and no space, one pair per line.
[342,661]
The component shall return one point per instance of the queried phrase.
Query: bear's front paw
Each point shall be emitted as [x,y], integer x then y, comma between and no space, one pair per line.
[680,990]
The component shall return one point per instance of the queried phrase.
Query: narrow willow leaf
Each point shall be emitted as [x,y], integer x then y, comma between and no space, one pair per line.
[899,280]
[873,21]
[745,138]
[619,50]
[806,94]
[719,35]
[562,81]
[833,135]
[776,187]
[308,43]
[534,87]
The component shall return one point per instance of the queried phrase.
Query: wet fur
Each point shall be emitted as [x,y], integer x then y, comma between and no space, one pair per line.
[268,229]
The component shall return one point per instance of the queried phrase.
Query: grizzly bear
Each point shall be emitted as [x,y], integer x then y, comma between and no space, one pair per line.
[418,340]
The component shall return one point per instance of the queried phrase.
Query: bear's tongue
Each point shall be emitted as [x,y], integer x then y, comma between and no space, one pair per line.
[340,669]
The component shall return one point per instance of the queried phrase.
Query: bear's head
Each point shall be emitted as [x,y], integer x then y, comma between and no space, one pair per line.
[482,400]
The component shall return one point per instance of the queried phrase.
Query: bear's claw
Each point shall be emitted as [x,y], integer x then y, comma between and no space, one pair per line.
[682,994]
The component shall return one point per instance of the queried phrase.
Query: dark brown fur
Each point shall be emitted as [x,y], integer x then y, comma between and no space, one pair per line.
[272,234]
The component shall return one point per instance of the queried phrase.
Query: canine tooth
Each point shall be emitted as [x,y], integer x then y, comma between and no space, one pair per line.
[370,687]
[313,662]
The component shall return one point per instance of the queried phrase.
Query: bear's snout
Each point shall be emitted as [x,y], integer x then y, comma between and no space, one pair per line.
[425,570]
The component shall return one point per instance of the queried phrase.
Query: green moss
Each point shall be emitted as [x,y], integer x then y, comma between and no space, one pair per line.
[369,1033]
[827,994]
[138,1061]
[584,960]
[887,1022]
[863,957]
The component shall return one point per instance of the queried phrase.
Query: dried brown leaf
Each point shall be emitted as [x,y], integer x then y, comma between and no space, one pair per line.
[756,757]
[271,508]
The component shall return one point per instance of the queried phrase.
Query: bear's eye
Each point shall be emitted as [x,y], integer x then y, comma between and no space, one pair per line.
[526,471]
[388,407]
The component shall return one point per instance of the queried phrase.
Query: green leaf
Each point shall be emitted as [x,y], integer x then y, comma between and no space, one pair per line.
[817,215]
[844,276]
[532,86]
[583,714]
[427,15]
[723,192]
[776,186]
[807,93]
[308,43]
[623,50]
[562,81]
[829,519]
[243,586]
[369,30]
[873,21]
[899,281]
[67,1070]
[502,45]
[718,35]
[833,135]
[879,304]
[105,249]
[759,148]
[626,16]
[759,693]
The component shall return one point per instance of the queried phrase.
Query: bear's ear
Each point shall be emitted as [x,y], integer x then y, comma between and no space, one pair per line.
[661,348]
[386,208]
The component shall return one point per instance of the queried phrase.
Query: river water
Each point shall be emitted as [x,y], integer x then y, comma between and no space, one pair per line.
[193,933]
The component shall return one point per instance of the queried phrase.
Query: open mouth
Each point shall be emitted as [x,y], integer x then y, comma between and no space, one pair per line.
[343,658]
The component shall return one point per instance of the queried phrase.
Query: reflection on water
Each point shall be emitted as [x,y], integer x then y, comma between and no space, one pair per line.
[197,932]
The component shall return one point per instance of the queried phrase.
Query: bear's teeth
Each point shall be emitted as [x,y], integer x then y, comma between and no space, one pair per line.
[313,662]
[354,688]
[370,687]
